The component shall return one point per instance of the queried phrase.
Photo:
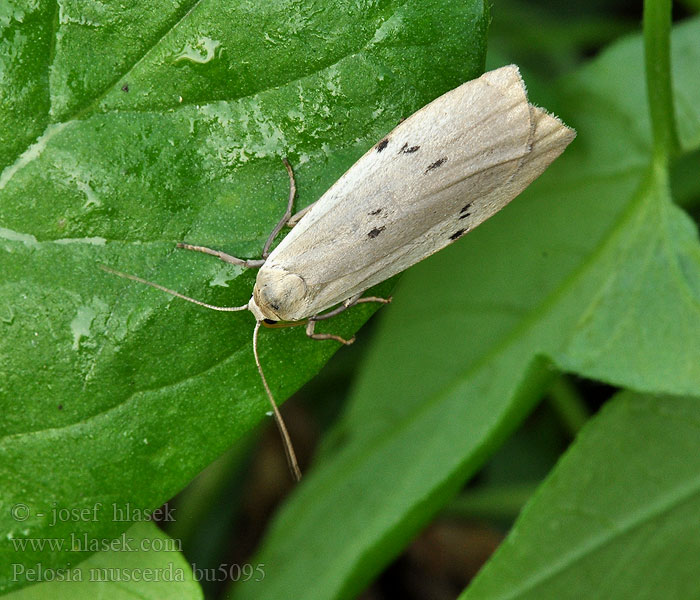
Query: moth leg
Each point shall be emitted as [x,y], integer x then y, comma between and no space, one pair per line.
[350,302]
[373,299]
[253,263]
[325,336]
[287,214]
[311,325]
[289,219]
[296,217]
[248,263]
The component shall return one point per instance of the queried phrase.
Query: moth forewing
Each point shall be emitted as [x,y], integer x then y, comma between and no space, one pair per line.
[436,176]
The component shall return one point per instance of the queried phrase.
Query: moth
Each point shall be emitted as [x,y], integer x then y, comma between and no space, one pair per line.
[435,177]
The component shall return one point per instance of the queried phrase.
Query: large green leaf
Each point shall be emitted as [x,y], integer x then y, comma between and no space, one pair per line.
[592,269]
[127,130]
[617,518]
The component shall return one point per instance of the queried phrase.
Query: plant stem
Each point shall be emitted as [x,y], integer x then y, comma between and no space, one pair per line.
[657,52]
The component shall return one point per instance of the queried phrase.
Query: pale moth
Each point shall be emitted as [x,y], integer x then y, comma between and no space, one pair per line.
[434,178]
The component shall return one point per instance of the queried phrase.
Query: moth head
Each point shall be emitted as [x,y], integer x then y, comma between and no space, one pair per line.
[279,295]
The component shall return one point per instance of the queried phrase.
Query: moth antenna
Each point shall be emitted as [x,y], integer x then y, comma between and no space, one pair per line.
[286,439]
[172,292]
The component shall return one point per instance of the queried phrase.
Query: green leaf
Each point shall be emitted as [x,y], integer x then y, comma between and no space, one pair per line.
[618,515]
[593,269]
[143,564]
[148,125]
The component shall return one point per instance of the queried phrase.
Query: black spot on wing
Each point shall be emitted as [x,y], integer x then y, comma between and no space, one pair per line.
[406,149]
[436,164]
[375,212]
[457,234]
[465,212]
[375,232]
[383,144]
